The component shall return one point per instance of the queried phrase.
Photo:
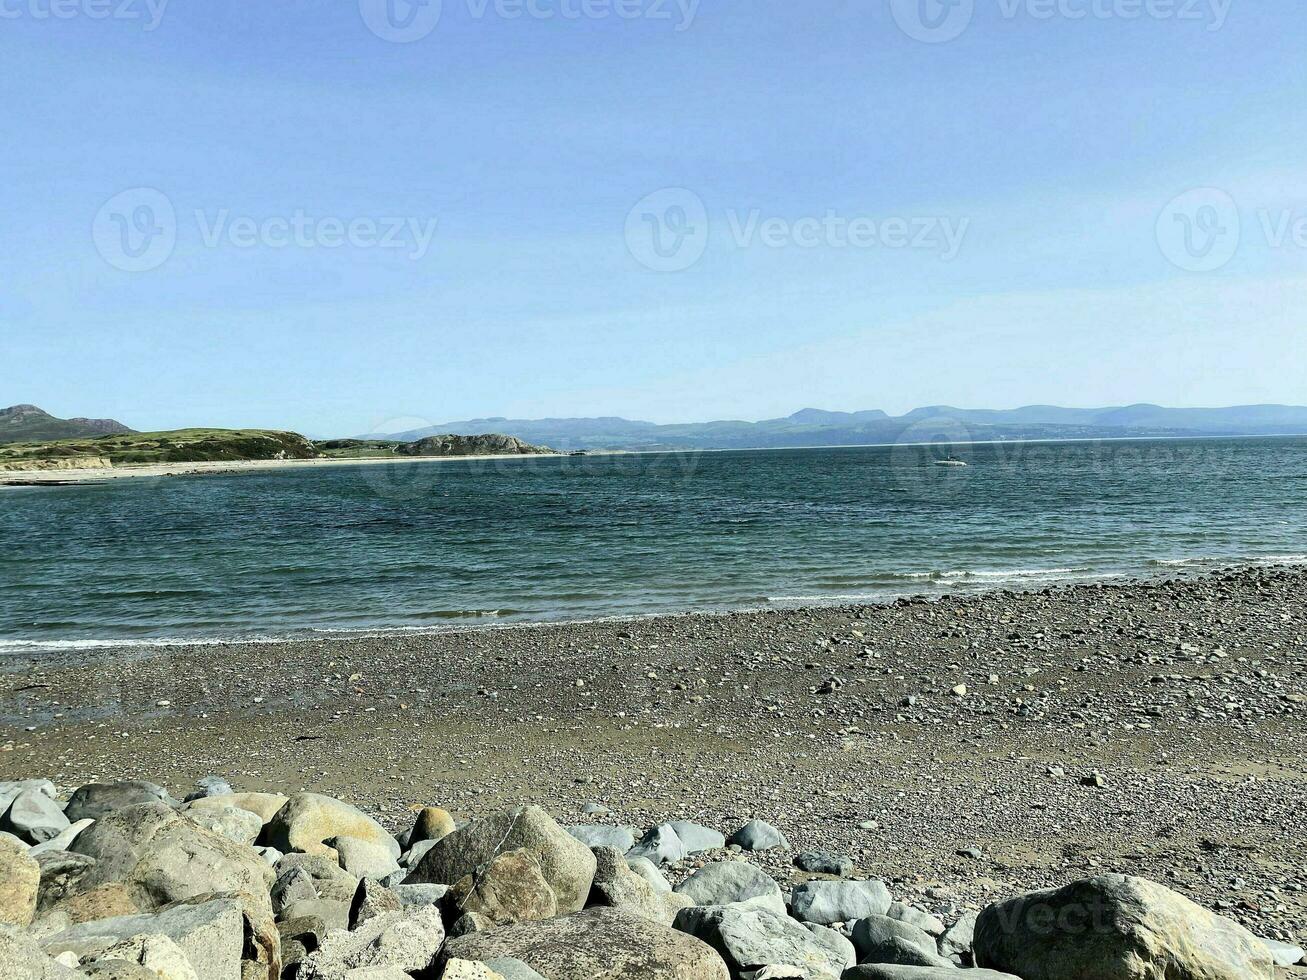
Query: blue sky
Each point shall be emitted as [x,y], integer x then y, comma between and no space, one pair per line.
[663,210]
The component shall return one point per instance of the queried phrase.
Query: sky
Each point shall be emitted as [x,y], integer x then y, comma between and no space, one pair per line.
[346,216]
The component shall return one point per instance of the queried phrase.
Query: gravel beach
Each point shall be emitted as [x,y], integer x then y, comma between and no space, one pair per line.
[963,749]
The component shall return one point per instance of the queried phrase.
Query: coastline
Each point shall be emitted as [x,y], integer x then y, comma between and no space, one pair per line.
[89,475]
[1186,695]
[960,585]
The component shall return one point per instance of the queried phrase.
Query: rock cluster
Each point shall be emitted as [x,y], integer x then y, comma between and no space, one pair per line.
[124,882]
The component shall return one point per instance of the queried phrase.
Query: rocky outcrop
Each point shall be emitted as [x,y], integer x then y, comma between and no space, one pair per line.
[490,444]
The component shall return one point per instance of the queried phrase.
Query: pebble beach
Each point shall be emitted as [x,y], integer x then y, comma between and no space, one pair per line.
[961,750]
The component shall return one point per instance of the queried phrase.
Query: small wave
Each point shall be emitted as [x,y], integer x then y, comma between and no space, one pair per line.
[1209,560]
[1013,573]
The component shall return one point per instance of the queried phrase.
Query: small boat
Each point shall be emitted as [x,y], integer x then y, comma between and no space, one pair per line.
[949,462]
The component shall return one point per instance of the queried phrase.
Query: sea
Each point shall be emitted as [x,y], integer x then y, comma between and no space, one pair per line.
[420,546]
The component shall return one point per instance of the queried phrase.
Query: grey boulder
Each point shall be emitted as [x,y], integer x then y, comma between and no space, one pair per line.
[34,817]
[617,886]
[97,800]
[64,839]
[363,859]
[1115,927]
[956,941]
[758,835]
[660,845]
[827,902]
[822,863]
[732,882]
[597,944]
[160,857]
[211,935]
[407,941]
[749,938]
[873,935]
[697,838]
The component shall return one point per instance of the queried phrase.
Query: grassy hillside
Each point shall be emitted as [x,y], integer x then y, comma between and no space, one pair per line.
[180,446]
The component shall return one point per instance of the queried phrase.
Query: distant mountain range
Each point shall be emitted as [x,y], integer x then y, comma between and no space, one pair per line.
[27,423]
[814,427]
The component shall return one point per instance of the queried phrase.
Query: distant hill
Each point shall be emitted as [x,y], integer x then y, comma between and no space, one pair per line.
[27,423]
[815,427]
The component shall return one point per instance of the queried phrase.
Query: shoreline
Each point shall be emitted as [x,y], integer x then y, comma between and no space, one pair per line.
[963,731]
[86,476]
[1018,587]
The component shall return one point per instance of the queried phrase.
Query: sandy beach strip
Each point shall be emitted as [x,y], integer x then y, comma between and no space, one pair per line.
[37,477]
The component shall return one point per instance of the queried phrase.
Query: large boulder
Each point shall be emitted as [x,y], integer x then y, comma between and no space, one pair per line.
[566,864]
[1115,927]
[20,882]
[598,944]
[309,819]
[732,882]
[34,817]
[407,941]
[617,886]
[363,858]
[329,878]
[874,936]
[97,800]
[749,938]
[160,857]
[212,935]
[511,888]
[828,902]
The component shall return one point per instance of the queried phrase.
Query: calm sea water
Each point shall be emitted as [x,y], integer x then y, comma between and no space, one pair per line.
[429,545]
